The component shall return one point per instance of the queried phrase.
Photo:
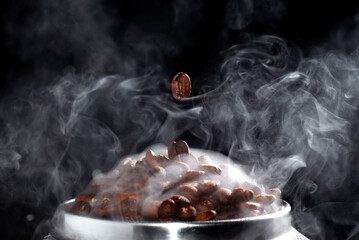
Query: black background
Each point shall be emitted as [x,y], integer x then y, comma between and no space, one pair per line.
[310,25]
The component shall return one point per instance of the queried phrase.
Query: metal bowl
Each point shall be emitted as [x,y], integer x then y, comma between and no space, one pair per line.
[271,226]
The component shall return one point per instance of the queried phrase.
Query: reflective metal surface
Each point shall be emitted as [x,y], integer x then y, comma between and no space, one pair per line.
[272,226]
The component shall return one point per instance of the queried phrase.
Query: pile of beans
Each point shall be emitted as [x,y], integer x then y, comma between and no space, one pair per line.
[176,187]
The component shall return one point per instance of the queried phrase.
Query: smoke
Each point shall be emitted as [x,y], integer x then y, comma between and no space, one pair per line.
[289,121]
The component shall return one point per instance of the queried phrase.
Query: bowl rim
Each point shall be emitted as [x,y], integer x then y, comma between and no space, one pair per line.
[278,214]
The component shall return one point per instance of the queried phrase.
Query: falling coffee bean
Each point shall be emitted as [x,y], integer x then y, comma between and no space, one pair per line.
[177,147]
[181,86]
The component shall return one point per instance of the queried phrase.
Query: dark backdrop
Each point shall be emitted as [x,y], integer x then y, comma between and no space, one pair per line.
[42,40]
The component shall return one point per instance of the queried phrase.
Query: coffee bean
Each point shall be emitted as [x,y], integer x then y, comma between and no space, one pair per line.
[84,197]
[191,175]
[190,159]
[151,158]
[265,199]
[127,202]
[181,86]
[189,192]
[81,208]
[240,195]
[103,212]
[276,192]
[256,190]
[187,213]
[206,215]
[204,205]
[150,209]
[181,201]
[168,208]
[223,195]
[210,169]
[177,148]
[208,186]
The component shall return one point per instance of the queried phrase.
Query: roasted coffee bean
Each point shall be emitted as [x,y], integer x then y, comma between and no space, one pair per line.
[256,190]
[181,201]
[181,86]
[177,148]
[101,200]
[168,208]
[103,212]
[84,197]
[204,205]
[127,202]
[213,199]
[191,175]
[189,192]
[227,212]
[163,160]
[190,159]
[187,213]
[205,160]
[240,195]
[81,208]
[248,206]
[264,199]
[159,172]
[210,169]
[208,186]
[276,192]
[150,209]
[223,195]
[151,158]
[206,215]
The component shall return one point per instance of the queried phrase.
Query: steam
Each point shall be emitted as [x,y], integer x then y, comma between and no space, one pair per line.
[287,120]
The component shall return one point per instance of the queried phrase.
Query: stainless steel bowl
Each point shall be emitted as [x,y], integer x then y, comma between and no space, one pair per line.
[272,226]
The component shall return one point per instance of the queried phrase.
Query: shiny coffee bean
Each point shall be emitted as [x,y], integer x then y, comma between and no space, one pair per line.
[127,202]
[181,86]
[208,186]
[84,197]
[243,206]
[210,169]
[189,192]
[204,205]
[181,201]
[264,199]
[191,175]
[240,195]
[276,192]
[151,158]
[177,148]
[223,195]
[256,190]
[206,215]
[187,213]
[81,208]
[103,212]
[168,208]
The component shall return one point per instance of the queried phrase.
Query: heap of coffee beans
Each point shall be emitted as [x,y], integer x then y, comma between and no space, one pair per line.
[176,186]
